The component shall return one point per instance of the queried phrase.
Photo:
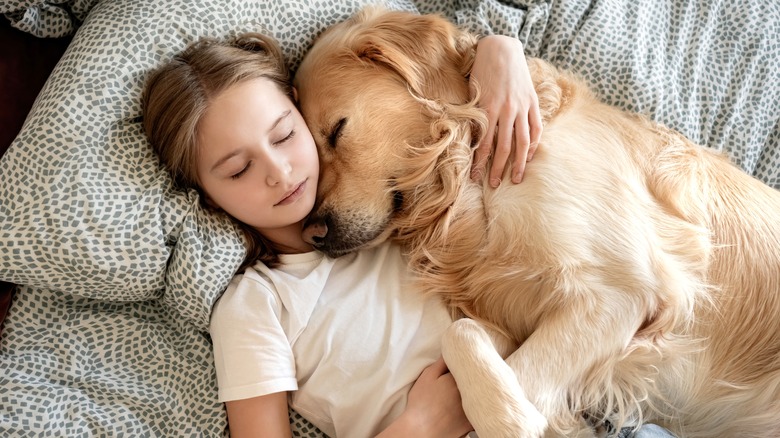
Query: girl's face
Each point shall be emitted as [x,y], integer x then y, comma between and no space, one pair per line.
[257,159]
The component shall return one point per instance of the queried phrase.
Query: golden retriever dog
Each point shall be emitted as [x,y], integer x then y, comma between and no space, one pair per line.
[633,276]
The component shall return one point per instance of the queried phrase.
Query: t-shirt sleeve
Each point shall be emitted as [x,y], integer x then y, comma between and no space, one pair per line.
[252,355]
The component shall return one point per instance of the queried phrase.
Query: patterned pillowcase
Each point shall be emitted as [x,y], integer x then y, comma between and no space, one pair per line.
[47,19]
[85,207]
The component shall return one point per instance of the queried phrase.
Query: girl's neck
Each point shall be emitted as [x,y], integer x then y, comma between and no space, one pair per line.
[289,239]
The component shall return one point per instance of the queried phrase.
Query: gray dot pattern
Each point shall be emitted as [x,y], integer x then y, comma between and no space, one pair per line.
[87,368]
[708,69]
[47,19]
[121,269]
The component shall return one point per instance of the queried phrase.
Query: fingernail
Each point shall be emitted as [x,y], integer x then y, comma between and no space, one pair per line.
[495,182]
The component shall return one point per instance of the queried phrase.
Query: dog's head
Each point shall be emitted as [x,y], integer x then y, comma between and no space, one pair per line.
[386,97]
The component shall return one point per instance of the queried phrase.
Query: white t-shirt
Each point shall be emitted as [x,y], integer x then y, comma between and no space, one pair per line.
[348,337]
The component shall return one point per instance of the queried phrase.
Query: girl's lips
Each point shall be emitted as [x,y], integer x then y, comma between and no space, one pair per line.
[293,195]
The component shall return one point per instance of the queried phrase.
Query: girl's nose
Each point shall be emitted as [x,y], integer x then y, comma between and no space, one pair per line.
[278,169]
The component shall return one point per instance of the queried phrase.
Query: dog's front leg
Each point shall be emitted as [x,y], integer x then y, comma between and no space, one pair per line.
[493,399]
[566,365]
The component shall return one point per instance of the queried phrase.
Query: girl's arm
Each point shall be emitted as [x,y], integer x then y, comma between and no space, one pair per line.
[250,347]
[433,410]
[507,95]
[264,416]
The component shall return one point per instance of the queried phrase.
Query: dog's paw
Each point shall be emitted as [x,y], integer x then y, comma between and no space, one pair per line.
[493,399]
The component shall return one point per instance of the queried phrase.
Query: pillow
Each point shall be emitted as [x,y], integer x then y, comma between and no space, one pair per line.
[85,207]
[52,19]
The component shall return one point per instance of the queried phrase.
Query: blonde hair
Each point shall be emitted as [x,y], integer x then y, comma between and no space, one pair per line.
[178,94]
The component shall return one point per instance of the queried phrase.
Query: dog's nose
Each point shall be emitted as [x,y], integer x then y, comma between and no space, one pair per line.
[314,233]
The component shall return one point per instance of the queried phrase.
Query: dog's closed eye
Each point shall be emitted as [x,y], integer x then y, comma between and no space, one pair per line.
[335,132]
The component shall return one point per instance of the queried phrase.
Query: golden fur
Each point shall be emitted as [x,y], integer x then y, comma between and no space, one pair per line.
[636,271]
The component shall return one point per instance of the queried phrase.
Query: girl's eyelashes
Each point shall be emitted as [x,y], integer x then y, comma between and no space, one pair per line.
[241,172]
[287,138]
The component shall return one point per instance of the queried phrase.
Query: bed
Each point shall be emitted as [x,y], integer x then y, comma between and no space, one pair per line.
[117,269]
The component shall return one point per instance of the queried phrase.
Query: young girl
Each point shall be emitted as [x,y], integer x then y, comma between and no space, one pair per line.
[346,342]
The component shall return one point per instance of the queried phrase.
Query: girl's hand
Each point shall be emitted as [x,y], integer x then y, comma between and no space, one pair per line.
[433,408]
[508,96]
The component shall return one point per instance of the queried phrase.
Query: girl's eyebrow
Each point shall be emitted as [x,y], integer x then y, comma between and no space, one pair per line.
[222,160]
[279,120]
[238,151]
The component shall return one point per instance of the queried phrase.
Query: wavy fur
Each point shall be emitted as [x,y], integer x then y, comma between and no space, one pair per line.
[632,276]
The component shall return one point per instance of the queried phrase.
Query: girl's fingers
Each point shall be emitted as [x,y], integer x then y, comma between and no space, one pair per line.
[482,154]
[501,154]
[435,370]
[522,144]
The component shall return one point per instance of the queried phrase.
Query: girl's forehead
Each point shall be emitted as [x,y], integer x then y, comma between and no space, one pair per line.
[235,116]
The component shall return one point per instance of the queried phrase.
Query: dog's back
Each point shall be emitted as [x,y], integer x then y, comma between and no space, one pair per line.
[717,228]
[718,225]
[739,394]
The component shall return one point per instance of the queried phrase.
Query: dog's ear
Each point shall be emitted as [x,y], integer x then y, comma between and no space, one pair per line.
[425,50]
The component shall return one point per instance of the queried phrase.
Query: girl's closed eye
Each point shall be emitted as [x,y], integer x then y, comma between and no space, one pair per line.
[238,174]
[287,138]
